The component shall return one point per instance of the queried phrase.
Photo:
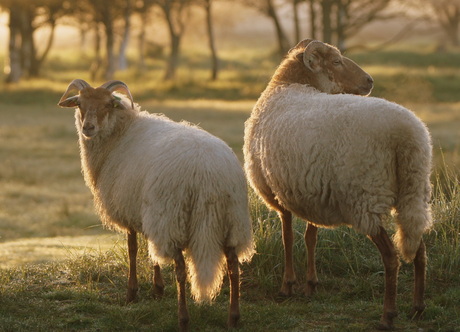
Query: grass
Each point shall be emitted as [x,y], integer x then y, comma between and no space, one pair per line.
[56,258]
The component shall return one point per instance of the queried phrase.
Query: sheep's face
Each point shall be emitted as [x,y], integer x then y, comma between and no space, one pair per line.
[322,66]
[333,72]
[94,106]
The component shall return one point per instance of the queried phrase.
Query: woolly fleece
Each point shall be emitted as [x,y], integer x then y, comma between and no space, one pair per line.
[341,159]
[175,183]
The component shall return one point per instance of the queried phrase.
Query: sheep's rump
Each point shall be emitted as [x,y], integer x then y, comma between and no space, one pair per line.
[193,196]
[338,159]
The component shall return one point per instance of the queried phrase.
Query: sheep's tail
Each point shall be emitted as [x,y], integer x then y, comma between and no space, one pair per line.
[217,228]
[413,208]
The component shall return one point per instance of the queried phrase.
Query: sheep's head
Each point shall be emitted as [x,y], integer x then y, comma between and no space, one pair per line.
[94,104]
[325,68]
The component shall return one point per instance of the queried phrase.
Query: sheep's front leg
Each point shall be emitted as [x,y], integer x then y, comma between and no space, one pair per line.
[419,282]
[132,277]
[234,276]
[391,263]
[158,283]
[310,242]
[289,278]
[181,277]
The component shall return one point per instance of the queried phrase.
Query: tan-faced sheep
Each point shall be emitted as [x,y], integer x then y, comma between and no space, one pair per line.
[314,148]
[178,185]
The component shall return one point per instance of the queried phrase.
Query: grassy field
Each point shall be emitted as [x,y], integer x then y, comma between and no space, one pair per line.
[60,271]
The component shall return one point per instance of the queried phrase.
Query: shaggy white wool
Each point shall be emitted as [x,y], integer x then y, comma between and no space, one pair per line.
[175,183]
[341,159]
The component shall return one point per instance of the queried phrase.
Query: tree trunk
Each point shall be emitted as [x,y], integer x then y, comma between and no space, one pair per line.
[109,45]
[212,46]
[141,42]
[283,43]
[49,43]
[312,19]
[173,60]
[28,60]
[450,19]
[326,6]
[13,67]
[176,30]
[297,37]
[340,28]
[122,62]
[96,65]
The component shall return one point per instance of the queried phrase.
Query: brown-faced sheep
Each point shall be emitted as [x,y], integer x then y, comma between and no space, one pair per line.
[178,185]
[315,148]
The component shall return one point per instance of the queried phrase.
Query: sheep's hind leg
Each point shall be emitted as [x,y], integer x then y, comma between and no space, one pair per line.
[310,242]
[289,278]
[391,263]
[181,277]
[234,276]
[158,283]
[419,282]
[132,278]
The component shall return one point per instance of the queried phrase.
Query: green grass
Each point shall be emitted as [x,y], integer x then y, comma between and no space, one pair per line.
[60,271]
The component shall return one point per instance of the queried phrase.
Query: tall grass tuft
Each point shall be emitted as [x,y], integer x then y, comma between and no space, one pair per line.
[344,252]
[444,240]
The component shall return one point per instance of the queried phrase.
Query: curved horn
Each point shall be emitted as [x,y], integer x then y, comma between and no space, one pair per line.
[118,86]
[301,44]
[76,84]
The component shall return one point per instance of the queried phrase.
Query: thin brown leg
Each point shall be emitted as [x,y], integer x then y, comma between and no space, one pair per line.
[289,278]
[419,282]
[310,242]
[234,276]
[158,283]
[391,263]
[181,277]
[132,255]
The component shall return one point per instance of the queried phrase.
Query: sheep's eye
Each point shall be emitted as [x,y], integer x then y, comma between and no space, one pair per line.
[337,62]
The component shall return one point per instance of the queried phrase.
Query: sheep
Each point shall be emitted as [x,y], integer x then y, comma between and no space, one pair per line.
[317,147]
[179,186]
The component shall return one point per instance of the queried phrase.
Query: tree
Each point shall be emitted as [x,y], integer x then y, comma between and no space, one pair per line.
[448,17]
[342,19]
[24,18]
[142,8]
[212,46]
[175,14]
[269,8]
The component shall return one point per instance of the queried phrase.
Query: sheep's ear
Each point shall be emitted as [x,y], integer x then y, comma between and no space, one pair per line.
[312,61]
[117,104]
[313,54]
[69,102]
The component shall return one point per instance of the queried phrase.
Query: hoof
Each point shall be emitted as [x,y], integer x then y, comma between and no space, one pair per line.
[281,297]
[184,324]
[310,288]
[384,327]
[287,289]
[386,323]
[131,296]
[417,311]
[158,292]
[233,320]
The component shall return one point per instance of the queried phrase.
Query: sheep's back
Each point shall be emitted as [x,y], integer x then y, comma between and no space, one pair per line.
[330,159]
[165,178]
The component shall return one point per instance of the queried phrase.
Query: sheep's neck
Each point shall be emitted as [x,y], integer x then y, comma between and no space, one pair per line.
[292,71]
[94,152]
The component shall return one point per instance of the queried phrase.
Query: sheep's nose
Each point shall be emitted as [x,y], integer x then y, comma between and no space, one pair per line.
[88,126]
[370,80]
